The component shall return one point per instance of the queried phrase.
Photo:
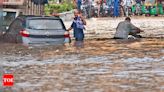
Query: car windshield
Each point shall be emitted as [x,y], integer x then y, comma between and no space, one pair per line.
[44,24]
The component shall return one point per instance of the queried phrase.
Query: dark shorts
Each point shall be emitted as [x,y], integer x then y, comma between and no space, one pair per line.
[79,39]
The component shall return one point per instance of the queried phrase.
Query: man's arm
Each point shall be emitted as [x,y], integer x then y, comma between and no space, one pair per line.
[83,20]
[135,28]
[70,27]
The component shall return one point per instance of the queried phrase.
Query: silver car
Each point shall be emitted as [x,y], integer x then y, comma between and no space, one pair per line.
[37,30]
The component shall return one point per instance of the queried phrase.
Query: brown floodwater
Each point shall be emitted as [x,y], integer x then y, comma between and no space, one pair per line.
[103,65]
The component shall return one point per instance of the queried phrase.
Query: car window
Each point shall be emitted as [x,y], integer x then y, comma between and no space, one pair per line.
[45,24]
[8,18]
[16,26]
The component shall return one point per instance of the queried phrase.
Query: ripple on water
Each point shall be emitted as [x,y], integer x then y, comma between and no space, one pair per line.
[145,59]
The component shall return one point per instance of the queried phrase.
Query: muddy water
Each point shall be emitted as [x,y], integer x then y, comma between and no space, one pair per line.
[103,65]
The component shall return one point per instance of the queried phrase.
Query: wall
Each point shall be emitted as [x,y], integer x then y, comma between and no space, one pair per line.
[27,6]
[32,9]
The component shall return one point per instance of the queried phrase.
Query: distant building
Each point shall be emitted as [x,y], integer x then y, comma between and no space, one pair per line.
[26,7]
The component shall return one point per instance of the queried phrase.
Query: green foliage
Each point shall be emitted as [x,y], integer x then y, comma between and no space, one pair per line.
[58,8]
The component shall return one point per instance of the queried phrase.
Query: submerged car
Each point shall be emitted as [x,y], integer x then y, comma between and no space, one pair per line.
[37,30]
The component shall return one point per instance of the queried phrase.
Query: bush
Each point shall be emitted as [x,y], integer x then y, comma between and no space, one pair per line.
[58,8]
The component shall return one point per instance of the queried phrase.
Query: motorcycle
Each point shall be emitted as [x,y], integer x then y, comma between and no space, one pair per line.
[138,9]
[104,10]
[95,10]
[84,10]
[87,10]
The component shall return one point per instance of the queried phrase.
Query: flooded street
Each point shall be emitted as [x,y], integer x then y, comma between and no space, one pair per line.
[103,65]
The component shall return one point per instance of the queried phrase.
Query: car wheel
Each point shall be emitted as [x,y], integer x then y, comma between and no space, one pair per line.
[12,38]
[9,38]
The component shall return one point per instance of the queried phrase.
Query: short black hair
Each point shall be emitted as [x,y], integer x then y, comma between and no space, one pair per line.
[128,18]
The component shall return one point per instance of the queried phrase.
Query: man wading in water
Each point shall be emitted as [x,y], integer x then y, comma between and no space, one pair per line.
[126,28]
[78,27]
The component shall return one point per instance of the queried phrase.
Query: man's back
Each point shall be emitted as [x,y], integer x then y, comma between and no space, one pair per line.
[124,29]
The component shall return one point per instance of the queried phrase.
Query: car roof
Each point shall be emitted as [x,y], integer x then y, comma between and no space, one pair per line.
[24,17]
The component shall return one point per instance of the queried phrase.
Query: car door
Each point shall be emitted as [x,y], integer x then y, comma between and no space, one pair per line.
[13,33]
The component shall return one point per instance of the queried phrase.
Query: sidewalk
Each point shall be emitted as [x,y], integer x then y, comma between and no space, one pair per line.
[105,27]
